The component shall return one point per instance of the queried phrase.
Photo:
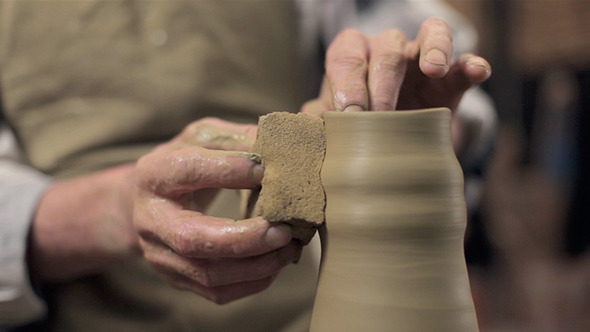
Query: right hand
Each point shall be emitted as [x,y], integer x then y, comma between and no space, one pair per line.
[218,258]
[391,72]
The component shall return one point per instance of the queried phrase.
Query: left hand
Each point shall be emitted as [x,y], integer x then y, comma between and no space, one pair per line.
[218,258]
[390,72]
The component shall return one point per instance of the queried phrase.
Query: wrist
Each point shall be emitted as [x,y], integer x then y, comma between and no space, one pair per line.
[84,225]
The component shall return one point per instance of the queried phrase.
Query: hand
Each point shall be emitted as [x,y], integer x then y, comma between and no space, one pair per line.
[389,72]
[220,259]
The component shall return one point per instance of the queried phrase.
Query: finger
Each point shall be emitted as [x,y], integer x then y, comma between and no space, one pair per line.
[220,294]
[472,69]
[321,104]
[219,272]
[434,44]
[467,71]
[209,237]
[170,173]
[387,69]
[346,70]
[217,134]
[192,234]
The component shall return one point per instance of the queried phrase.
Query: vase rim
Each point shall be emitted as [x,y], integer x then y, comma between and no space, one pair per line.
[392,113]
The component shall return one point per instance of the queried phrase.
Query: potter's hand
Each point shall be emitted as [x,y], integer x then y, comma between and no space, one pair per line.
[389,72]
[220,259]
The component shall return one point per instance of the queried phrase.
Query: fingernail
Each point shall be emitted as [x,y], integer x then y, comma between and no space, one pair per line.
[278,236]
[257,174]
[436,57]
[478,62]
[353,108]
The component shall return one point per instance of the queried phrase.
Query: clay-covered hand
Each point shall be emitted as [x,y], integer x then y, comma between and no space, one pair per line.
[389,72]
[218,258]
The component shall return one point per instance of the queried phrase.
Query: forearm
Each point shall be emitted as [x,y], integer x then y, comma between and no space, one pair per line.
[83,225]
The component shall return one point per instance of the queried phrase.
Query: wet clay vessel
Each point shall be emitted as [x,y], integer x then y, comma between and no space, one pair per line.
[393,255]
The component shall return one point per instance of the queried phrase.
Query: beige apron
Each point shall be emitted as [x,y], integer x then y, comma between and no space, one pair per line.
[91,84]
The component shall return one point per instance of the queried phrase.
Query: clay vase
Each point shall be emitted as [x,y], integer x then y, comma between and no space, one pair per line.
[395,218]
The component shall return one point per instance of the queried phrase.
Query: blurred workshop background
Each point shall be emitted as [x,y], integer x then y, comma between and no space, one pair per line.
[529,261]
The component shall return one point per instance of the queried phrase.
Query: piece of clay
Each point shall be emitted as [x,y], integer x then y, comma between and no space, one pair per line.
[292,148]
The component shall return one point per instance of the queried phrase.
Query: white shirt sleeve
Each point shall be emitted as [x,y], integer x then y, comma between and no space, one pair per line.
[20,189]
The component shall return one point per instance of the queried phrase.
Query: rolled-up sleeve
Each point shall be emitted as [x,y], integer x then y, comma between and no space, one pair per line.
[20,189]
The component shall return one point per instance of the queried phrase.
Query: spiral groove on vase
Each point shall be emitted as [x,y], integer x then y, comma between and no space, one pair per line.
[395,218]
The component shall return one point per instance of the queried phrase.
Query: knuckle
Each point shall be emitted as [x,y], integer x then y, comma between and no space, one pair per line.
[391,62]
[348,60]
[142,168]
[191,168]
[147,169]
[200,130]
[438,28]
[195,128]
[389,51]
[216,134]
[144,231]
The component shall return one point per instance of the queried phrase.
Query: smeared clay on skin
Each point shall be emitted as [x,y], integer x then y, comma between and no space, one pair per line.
[210,136]
[194,168]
